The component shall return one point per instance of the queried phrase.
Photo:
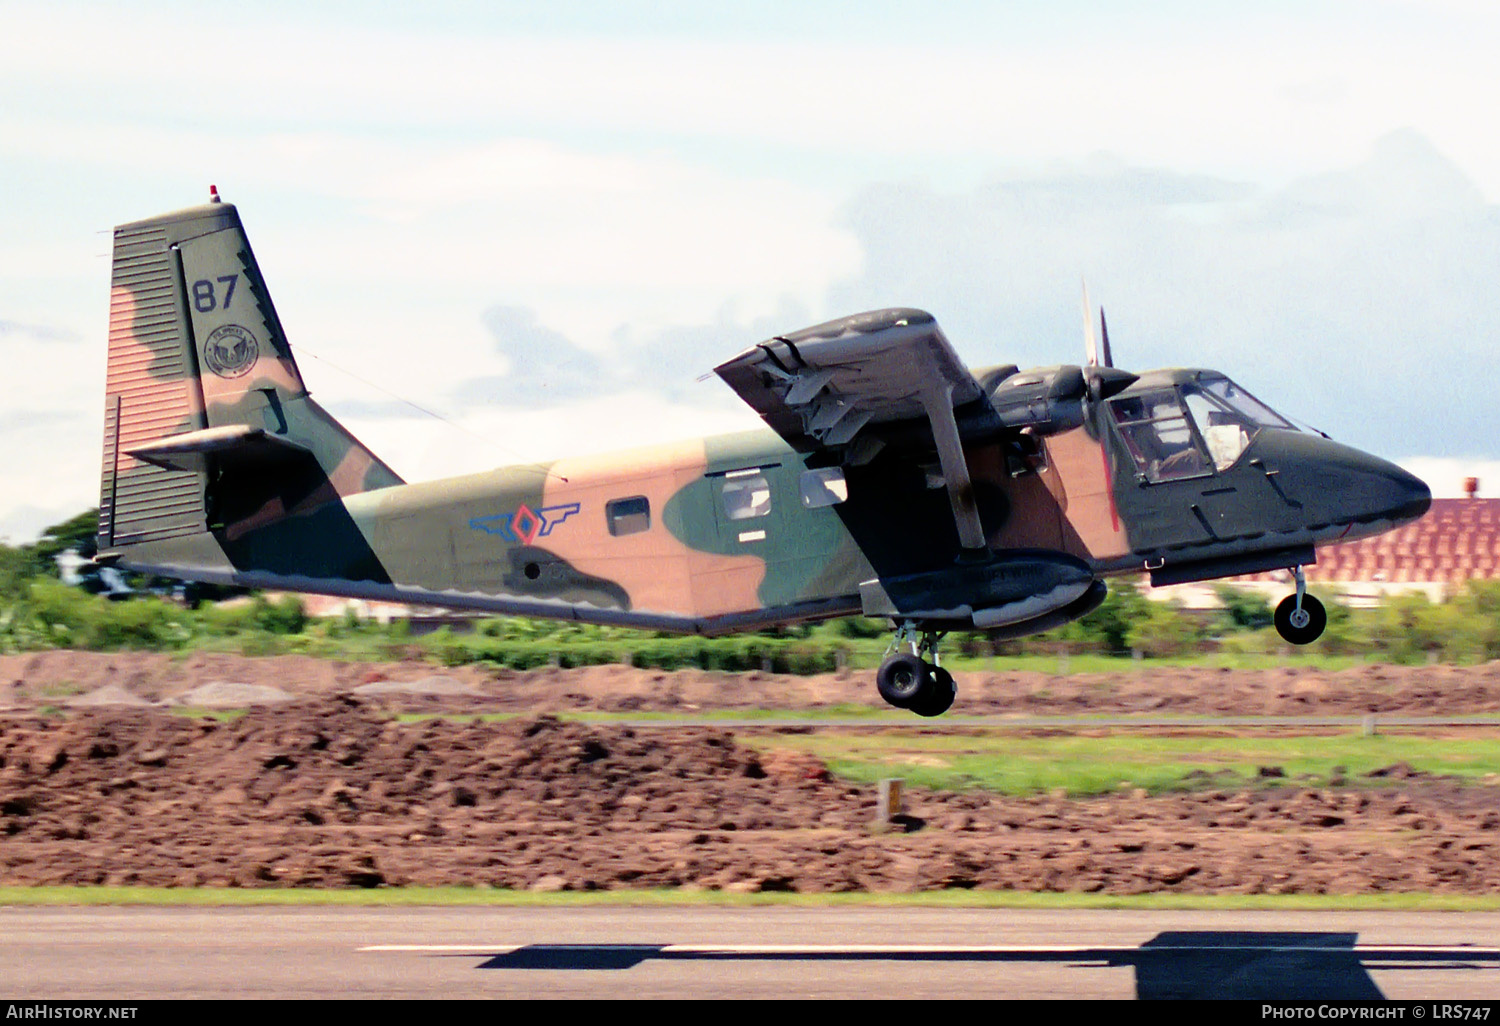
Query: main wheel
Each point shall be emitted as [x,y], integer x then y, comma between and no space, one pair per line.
[1301,627]
[938,696]
[902,679]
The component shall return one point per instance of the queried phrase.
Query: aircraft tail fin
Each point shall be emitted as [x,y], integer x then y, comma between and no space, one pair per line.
[207,422]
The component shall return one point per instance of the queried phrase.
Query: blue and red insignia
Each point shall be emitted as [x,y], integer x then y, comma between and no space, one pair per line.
[524,525]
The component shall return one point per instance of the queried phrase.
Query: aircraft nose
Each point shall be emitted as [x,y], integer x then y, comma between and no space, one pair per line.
[1409,495]
[1331,484]
[1365,489]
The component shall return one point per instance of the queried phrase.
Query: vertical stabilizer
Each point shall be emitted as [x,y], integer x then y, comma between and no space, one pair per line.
[200,369]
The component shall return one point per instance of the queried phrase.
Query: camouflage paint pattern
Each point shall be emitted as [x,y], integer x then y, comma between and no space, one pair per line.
[279,494]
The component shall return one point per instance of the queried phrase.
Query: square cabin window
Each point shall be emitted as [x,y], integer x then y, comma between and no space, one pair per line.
[823,487]
[746,495]
[628,516]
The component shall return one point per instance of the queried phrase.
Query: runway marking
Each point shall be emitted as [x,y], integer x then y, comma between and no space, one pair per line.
[1456,951]
[482,949]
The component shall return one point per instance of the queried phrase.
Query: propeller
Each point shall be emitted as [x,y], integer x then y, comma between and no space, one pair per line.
[1098,355]
[1104,379]
[1090,343]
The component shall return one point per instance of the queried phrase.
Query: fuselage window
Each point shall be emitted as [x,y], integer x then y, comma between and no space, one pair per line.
[746,494]
[1158,436]
[823,487]
[628,516]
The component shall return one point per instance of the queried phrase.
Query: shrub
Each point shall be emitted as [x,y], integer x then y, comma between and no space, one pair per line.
[286,615]
[1163,631]
[1243,610]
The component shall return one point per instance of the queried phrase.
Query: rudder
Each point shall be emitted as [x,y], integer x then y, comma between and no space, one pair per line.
[208,425]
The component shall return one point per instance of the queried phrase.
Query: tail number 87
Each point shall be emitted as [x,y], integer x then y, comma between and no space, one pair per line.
[205,296]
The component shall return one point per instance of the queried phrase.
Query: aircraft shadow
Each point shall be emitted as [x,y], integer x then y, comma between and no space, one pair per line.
[1237,965]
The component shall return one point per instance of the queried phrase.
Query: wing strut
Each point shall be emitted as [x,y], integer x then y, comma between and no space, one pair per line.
[938,403]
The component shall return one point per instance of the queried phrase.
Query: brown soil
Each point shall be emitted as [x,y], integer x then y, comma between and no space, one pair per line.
[335,793]
[328,790]
[27,681]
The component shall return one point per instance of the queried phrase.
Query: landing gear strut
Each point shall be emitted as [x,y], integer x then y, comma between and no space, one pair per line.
[1300,618]
[908,681]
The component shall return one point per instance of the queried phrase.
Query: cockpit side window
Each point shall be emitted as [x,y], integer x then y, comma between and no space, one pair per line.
[1228,417]
[1246,405]
[1155,428]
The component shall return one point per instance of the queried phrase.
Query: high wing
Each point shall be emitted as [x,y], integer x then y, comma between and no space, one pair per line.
[818,388]
[846,387]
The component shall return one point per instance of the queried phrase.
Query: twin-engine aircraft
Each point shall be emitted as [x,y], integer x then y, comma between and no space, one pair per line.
[894,482]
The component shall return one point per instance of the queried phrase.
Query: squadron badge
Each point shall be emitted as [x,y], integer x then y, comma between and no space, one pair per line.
[230,351]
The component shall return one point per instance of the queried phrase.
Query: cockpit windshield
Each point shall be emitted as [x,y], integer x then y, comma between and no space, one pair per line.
[1227,417]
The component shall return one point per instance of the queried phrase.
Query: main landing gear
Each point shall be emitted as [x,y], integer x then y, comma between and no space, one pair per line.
[909,681]
[1300,618]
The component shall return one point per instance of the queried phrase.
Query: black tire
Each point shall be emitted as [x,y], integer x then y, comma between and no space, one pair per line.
[902,680]
[1301,633]
[939,696]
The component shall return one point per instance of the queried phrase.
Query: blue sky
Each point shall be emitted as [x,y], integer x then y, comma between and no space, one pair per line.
[1301,195]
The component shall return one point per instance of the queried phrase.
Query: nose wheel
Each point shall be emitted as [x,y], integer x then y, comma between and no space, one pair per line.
[1300,618]
[908,681]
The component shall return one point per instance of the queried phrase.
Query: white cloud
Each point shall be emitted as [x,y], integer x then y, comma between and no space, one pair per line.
[423,449]
[1216,93]
[1359,300]
[673,194]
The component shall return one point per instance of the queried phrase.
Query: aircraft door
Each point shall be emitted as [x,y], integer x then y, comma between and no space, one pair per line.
[1243,498]
[783,514]
[1171,468]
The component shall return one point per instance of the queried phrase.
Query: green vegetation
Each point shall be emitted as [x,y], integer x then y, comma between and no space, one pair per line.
[46,614]
[1022,764]
[38,611]
[384,896]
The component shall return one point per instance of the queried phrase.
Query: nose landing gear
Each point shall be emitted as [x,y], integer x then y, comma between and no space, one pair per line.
[908,681]
[1300,618]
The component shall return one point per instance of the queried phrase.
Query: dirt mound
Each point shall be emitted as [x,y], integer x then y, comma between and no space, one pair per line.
[224,694]
[33,680]
[110,694]
[423,686]
[334,793]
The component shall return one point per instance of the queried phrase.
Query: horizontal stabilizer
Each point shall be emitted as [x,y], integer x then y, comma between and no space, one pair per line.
[237,443]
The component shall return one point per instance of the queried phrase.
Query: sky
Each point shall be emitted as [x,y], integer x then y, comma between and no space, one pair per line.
[547,222]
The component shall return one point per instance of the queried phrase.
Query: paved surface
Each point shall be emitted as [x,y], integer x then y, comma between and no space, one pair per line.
[1007,722]
[122,953]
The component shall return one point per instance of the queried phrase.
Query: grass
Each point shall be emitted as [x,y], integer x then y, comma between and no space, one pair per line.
[1079,765]
[1078,761]
[479,896]
[201,712]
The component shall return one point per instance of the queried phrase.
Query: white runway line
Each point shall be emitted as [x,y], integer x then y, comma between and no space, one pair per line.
[478,949]
[1455,951]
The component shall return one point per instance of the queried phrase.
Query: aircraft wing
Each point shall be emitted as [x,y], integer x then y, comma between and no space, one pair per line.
[819,387]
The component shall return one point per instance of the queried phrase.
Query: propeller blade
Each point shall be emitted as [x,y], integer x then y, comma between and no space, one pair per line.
[1109,360]
[1090,344]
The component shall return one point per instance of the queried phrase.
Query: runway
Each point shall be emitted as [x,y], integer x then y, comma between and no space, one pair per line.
[751,952]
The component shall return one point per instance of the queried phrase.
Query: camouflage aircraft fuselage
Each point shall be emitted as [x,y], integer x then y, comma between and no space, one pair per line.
[219,467]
